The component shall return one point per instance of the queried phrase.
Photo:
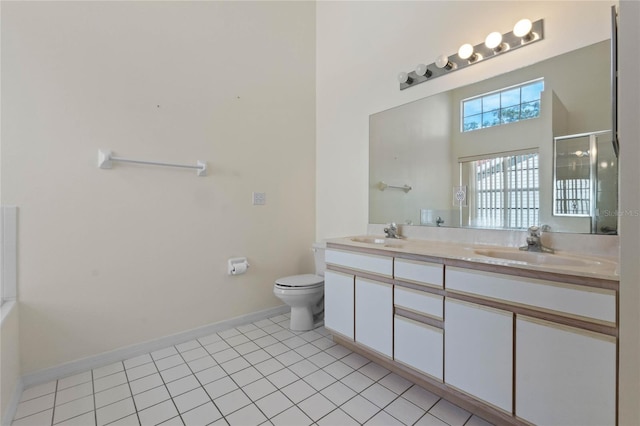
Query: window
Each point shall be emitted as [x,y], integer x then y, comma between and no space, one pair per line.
[504,106]
[506,191]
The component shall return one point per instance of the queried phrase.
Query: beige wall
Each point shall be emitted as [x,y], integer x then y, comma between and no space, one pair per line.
[629,133]
[109,258]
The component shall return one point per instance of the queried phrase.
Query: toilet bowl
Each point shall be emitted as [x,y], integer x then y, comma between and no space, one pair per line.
[304,294]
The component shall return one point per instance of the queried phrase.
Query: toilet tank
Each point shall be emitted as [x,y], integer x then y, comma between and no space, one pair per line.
[318,252]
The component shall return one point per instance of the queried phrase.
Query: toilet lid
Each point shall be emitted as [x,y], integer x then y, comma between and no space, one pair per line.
[306,280]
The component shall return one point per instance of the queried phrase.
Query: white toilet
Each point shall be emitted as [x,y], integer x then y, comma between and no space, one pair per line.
[305,294]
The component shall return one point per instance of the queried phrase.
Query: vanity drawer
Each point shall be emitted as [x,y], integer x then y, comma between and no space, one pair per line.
[417,301]
[424,273]
[570,300]
[379,265]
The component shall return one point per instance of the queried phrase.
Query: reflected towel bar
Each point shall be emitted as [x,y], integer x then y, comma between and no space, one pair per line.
[105,159]
[382,186]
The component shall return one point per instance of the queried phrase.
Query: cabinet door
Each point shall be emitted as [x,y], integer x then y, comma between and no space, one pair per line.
[564,376]
[478,347]
[339,302]
[374,315]
[418,345]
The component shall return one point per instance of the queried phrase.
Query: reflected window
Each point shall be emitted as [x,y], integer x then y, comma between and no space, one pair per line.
[504,106]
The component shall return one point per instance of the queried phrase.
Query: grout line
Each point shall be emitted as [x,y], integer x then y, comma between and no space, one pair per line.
[135,407]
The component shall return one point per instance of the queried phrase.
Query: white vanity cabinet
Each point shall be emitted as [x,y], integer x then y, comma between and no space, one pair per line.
[564,375]
[478,347]
[419,346]
[339,302]
[374,315]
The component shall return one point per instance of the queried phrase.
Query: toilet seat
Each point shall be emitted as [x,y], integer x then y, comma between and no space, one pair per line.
[305,281]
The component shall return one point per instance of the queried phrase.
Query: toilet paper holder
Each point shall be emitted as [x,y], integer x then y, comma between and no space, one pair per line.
[237,265]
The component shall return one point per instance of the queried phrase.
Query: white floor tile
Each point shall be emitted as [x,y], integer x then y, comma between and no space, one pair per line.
[395,383]
[421,397]
[163,353]
[249,415]
[175,373]
[307,350]
[319,380]
[109,381]
[168,362]
[379,395]
[157,413]
[283,335]
[151,397]
[246,328]
[259,389]
[404,411]
[292,417]
[226,334]
[191,399]
[210,375]
[131,420]
[273,328]
[294,342]
[232,401]
[298,391]
[87,419]
[174,421]
[38,419]
[338,369]
[75,392]
[360,408]
[269,366]
[303,368]
[207,340]
[73,408]
[107,370]
[146,383]
[316,406]
[282,378]
[257,356]
[202,363]
[194,354]
[246,376]
[237,340]
[246,348]
[355,360]
[263,323]
[235,365]
[180,386]
[38,391]
[383,419]
[338,351]
[449,413]
[310,336]
[477,421]
[141,371]
[323,343]
[357,381]
[255,334]
[374,371]
[216,347]
[274,404]
[202,415]
[74,380]
[187,346]
[276,349]
[136,361]
[220,387]
[114,394]
[115,411]
[337,417]
[265,341]
[338,393]
[225,355]
[429,420]
[289,358]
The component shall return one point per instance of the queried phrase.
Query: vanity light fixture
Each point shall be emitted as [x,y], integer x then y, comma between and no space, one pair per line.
[524,33]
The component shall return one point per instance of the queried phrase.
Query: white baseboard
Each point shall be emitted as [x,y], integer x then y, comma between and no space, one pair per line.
[106,358]
[10,412]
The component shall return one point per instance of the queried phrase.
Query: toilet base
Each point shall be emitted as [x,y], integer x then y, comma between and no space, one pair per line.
[301,319]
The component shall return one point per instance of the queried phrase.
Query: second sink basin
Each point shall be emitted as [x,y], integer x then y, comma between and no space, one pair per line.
[536,258]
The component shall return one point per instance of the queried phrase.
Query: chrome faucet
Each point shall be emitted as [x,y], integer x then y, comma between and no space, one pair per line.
[534,242]
[391,231]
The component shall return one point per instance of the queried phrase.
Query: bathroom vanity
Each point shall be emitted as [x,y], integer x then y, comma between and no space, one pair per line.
[515,337]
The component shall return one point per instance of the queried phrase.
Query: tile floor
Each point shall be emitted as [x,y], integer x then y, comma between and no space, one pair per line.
[254,374]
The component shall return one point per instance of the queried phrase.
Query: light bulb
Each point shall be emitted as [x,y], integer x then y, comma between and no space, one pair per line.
[465,51]
[522,28]
[403,77]
[421,69]
[442,61]
[493,40]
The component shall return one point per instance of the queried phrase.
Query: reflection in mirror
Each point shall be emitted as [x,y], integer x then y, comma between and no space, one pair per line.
[423,145]
[585,180]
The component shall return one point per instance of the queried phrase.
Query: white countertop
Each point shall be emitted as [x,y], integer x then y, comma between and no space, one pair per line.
[559,263]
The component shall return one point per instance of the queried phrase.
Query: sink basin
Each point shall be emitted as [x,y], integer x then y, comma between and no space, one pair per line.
[535,258]
[378,241]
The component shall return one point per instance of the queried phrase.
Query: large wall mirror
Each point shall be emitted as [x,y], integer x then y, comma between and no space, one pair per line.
[529,147]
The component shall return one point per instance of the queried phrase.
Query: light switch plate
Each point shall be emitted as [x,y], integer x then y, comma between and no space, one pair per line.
[259,198]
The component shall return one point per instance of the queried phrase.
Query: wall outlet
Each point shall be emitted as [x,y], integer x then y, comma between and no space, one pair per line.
[259,198]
